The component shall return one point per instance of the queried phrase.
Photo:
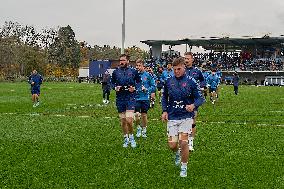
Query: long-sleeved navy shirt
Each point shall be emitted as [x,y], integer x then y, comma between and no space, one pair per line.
[106,82]
[124,77]
[197,75]
[236,80]
[36,78]
[179,92]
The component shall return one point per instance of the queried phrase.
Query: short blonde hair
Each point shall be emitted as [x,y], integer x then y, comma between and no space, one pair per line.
[140,61]
[188,53]
[178,61]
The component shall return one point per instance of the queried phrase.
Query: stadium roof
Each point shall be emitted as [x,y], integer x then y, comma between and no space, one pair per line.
[228,42]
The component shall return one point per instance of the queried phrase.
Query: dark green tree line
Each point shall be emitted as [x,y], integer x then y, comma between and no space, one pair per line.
[23,48]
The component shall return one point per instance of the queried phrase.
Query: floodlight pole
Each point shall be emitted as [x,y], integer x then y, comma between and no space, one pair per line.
[123,28]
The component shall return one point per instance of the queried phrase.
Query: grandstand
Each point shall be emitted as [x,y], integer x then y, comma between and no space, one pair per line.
[252,58]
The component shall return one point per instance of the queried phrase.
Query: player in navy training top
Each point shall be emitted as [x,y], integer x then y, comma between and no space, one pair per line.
[199,78]
[106,87]
[181,96]
[236,79]
[35,80]
[160,82]
[124,80]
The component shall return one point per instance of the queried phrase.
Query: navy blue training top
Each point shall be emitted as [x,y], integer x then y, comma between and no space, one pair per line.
[124,77]
[179,92]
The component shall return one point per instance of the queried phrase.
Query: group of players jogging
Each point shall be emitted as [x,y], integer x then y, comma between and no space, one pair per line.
[181,88]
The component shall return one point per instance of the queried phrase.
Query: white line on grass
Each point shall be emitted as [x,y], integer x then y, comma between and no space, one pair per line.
[155,119]
[59,115]
[9,113]
[221,122]
[277,111]
[264,124]
[241,123]
[84,116]
[33,114]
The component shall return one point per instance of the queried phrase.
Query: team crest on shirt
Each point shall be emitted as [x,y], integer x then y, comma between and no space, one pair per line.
[183,84]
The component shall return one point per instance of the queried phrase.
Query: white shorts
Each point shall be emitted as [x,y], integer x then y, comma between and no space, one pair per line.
[174,127]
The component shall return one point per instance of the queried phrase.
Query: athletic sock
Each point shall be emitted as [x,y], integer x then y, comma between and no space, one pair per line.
[178,151]
[190,139]
[183,165]
[131,136]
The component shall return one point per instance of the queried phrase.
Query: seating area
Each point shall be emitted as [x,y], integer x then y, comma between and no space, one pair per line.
[227,62]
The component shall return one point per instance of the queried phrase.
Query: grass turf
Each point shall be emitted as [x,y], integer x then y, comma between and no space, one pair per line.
[73,141]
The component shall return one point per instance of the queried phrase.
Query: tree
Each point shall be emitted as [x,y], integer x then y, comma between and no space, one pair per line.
[65,50]
[7,55]
[136,52]
[11,29]
[22,48]
[47,37]
[50,51]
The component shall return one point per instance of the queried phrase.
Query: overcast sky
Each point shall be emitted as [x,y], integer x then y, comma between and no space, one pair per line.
[99,21]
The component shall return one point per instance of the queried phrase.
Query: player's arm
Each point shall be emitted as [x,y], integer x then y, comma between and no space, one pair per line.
[152,85]
[202,80]
[198,97]
[30,80]
[155,84]
[219,81]
[209,81]
[114,81]
[165,98]
[137,77]
[154,78]
[137,81]
[40,79]
[163,77]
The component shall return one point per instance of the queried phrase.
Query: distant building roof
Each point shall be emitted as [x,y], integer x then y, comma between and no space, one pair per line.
[214,42]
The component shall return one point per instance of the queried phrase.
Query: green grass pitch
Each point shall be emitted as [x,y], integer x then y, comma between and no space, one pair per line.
[73,141]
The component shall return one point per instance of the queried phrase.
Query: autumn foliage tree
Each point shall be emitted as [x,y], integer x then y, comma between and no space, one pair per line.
[53,52]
